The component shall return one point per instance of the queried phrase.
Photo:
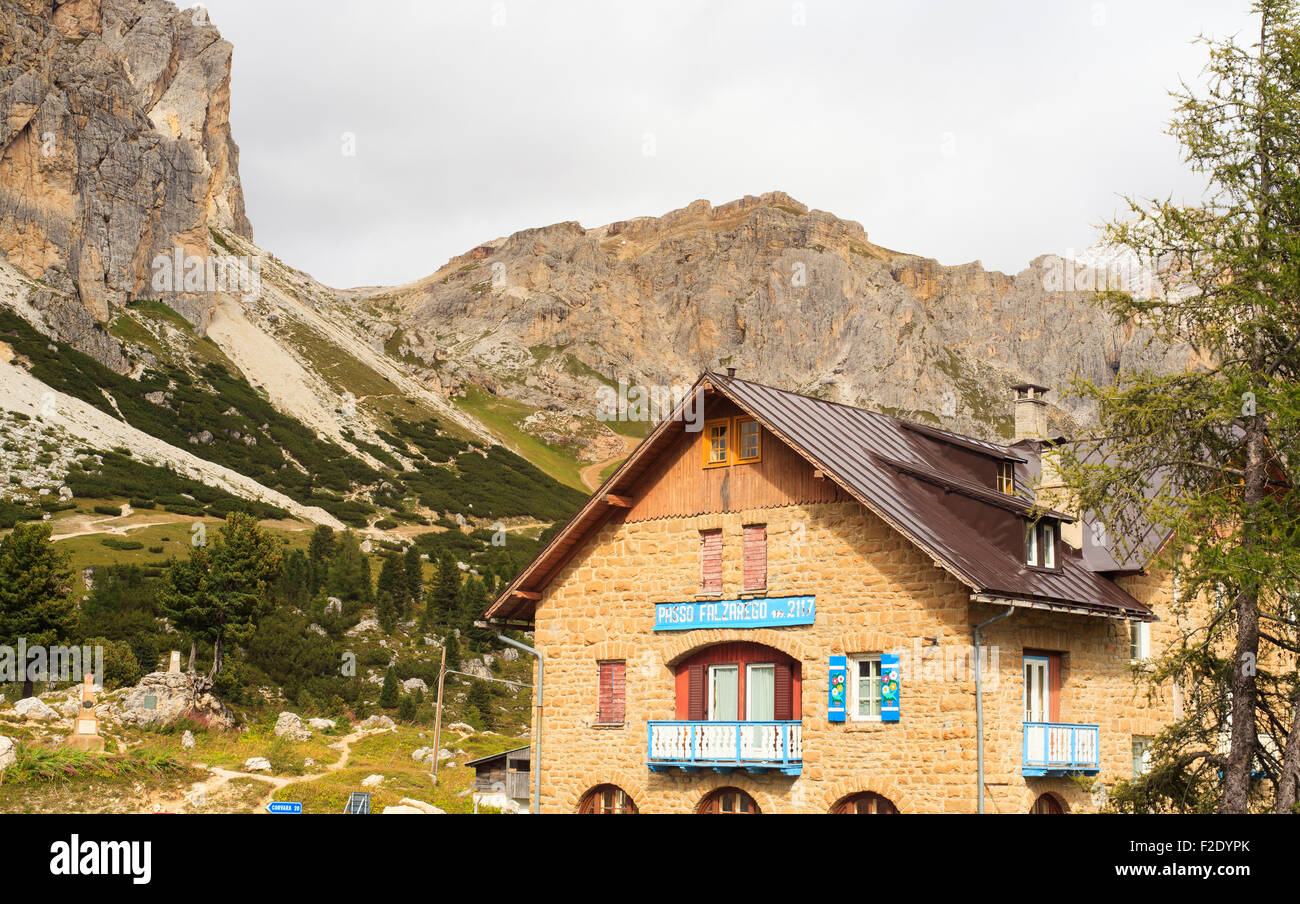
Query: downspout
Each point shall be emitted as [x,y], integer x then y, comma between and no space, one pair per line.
[979,704]
[537,722]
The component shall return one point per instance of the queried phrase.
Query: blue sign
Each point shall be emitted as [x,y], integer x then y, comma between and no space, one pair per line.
[279,806]
[755,613]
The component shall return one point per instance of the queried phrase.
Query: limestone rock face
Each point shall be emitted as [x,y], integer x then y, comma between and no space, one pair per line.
[163,697]
[115,147]
[793,297]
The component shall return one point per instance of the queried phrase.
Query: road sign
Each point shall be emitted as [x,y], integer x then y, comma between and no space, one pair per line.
[280,806]
[358,803]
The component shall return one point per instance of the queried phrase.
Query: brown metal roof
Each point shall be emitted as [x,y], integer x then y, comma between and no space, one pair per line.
[904,475]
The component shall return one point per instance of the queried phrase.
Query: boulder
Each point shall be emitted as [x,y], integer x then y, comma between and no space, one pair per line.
[400,809]
[423,755]
[257,764]
[290,726]
[34,708]
[421,806]
[461,728]
[8,753]
[322,724]
[476,668]
[372,781]
[412,684]
[444,754]
[161,698]
[362,627]
[187,740]
[510,654]
[377,722]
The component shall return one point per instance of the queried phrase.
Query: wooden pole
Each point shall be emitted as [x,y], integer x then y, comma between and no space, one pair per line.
[437,719]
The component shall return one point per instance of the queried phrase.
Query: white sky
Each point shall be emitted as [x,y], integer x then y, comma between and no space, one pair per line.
[961,130]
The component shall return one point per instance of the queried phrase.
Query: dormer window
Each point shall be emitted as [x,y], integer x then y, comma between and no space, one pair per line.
[1040,543]
[1006,478]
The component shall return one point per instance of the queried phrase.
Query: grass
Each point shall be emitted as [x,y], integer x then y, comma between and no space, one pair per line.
[502,416]
[35,764]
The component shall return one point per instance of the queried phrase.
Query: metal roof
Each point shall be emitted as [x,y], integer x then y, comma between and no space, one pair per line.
[905,475]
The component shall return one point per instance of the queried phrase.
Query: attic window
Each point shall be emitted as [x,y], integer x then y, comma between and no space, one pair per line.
[717,443]
[748,442]
[1006,478]
[1040,544]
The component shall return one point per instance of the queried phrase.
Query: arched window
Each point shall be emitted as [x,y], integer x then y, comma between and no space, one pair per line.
[865,802]
[738,682]
[607,799]
[728,800]
[1047,804]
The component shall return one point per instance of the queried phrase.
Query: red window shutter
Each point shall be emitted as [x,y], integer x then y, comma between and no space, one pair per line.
[612,697]
[697,702]
[784,710]
[1054,687]
[755,557]
[711,561]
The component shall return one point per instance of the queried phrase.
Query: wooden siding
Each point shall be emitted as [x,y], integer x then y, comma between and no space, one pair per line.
[680,485]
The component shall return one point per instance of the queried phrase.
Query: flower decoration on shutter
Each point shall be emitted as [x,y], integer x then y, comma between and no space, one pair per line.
[890,673]
[839,686]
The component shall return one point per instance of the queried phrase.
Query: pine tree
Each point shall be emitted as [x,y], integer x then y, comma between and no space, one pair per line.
[319,554]
[389,695]
[392,582]
[414,566]
[34,586]
[386,611]
[1202,455]
[440,607]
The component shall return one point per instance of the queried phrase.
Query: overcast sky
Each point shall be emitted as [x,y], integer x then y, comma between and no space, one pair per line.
[961,130]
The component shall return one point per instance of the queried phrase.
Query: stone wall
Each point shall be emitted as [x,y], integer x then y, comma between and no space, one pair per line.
[876,592]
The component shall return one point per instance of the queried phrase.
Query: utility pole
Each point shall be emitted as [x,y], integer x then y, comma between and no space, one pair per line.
[437,719]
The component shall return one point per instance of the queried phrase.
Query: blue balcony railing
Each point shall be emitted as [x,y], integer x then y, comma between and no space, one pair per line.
[725,746]
[1058,748]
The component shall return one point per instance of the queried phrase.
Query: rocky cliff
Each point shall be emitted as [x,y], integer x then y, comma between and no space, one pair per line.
[790,296]
[115,148]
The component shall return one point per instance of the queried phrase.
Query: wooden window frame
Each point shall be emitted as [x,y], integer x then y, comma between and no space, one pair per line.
[1043,544]
[853,699]
[737,449]
[600,689]
[708,461]
[1006,478]
[1139,641]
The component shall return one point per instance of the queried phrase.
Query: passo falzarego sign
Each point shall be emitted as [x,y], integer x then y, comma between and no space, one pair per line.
[753,613]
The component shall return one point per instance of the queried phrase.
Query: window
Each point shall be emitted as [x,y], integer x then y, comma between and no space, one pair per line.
[1040,544]
[1006,478]
[1037,689]
[604,799]
[728,801]
[1047,804]
[710,561]
[865,802]
[749,444]
[760,692]
[1141,755]
[717,443]
[864,687]
[755,557]
[724,693]
[612,699]
[1139,641]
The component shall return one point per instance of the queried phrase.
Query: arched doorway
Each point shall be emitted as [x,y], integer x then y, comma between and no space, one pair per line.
[738,682]
[865,802]
[1047,804]
[606,799]
[728,801]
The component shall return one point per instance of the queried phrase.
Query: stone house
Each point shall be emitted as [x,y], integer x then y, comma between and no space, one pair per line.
[775,607]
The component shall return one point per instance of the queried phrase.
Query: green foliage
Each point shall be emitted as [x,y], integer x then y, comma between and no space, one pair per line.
[388,696]
[34,585]
[35,765]
[1202,457]
[121,668]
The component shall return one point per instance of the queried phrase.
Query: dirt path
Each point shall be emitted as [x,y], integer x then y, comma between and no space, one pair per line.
[221,777]
[83,526]
[591,474]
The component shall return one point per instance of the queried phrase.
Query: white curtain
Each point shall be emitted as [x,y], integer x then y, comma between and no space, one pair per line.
[726,695]
[762,693]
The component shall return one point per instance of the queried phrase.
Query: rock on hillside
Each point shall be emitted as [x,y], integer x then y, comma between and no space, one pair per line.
[115,147]
[790,296]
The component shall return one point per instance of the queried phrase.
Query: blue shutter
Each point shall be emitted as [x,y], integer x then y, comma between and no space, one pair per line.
[890,682]
[839,689]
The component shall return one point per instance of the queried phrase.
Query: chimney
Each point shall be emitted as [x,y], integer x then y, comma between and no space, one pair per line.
[731,371]
[1031,411]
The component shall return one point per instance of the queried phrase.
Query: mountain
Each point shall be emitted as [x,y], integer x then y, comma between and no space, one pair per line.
[137,313]
[789,296]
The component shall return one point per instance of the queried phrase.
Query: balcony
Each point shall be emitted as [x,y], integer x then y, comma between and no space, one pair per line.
[756,747]
[1057,748]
